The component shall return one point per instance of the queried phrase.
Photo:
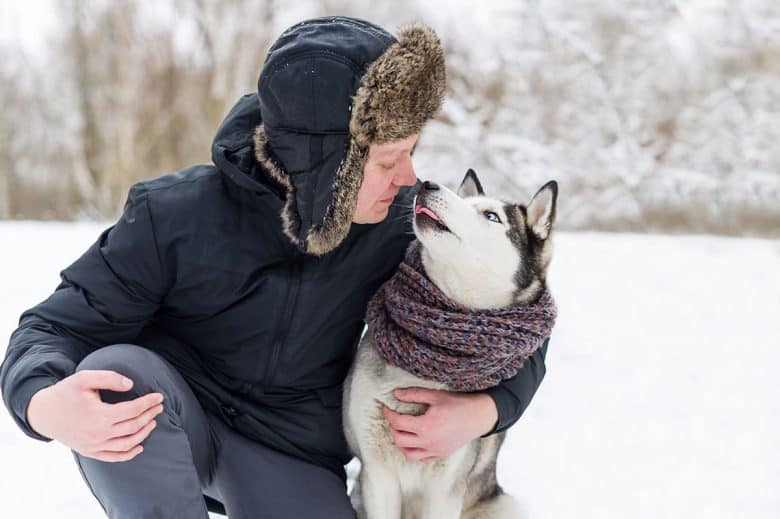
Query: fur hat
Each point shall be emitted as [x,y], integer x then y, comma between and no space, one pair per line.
[391,96]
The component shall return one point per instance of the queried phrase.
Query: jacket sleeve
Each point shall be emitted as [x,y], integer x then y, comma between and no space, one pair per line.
[105,297]
[513,395]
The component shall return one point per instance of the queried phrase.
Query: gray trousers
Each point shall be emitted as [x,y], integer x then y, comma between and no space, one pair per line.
[191,453]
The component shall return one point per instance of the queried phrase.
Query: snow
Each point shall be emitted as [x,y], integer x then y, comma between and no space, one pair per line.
[660,398]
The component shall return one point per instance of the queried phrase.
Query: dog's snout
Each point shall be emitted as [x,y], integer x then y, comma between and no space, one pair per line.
[430,186]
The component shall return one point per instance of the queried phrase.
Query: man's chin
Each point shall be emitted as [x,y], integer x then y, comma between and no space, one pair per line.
[376,215]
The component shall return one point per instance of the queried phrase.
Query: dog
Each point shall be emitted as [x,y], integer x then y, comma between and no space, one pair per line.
[482,253]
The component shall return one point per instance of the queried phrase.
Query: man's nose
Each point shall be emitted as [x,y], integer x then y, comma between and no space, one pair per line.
[406,175]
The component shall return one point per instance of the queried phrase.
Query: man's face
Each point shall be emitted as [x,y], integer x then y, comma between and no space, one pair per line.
[389,166]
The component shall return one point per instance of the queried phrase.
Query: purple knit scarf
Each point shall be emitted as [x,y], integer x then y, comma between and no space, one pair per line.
[420,330]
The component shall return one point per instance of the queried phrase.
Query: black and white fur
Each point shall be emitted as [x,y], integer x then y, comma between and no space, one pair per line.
[482,253]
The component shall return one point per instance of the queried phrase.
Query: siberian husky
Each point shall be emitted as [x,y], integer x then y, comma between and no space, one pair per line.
[482,253]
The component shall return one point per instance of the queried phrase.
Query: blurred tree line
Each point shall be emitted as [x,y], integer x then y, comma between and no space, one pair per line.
[119,101]
[653,115]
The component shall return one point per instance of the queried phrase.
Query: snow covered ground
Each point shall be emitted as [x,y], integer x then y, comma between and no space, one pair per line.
[661,398]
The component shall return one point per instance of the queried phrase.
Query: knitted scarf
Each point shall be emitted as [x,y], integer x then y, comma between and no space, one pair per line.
[422,331]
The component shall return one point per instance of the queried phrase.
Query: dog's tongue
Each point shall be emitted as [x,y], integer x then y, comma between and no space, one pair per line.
[420,209]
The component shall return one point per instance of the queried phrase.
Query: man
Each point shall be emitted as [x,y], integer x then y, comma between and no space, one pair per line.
[199,346]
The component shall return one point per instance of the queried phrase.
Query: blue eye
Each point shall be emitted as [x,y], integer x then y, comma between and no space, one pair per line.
[493,217]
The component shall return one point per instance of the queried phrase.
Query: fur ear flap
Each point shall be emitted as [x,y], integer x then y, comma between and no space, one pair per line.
[470,185]
[541,211]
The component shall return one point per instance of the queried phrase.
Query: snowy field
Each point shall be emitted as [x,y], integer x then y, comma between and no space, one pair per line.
[661,399]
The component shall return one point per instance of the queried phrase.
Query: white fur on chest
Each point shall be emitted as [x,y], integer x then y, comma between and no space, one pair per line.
[371,385]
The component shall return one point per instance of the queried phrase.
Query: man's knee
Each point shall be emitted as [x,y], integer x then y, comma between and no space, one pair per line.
[143,366]
[127,356]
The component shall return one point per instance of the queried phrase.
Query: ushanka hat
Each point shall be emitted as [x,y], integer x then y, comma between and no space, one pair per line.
[329,88]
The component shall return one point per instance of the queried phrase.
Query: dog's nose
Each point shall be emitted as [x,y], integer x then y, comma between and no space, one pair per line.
[430,186]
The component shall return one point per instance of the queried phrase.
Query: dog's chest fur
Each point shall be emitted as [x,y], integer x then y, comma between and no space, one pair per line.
[370,385]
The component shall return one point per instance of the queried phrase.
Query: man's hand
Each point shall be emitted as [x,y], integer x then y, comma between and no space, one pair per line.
[451,421]
[72,413]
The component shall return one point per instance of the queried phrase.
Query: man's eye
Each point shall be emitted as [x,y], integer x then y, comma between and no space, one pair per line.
[387,166]
[493,217]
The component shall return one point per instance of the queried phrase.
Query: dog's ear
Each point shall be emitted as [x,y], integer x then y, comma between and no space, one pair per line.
[470,185]
[541,210]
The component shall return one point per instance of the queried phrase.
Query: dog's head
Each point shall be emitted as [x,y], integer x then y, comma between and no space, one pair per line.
[481,252]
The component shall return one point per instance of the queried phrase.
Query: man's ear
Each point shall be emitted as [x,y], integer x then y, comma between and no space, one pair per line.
[470,185]
[541,210]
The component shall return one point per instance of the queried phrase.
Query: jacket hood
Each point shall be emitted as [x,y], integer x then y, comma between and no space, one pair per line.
[329,88]
[233,150]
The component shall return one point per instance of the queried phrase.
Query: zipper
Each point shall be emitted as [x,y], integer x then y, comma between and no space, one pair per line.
[284,329]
